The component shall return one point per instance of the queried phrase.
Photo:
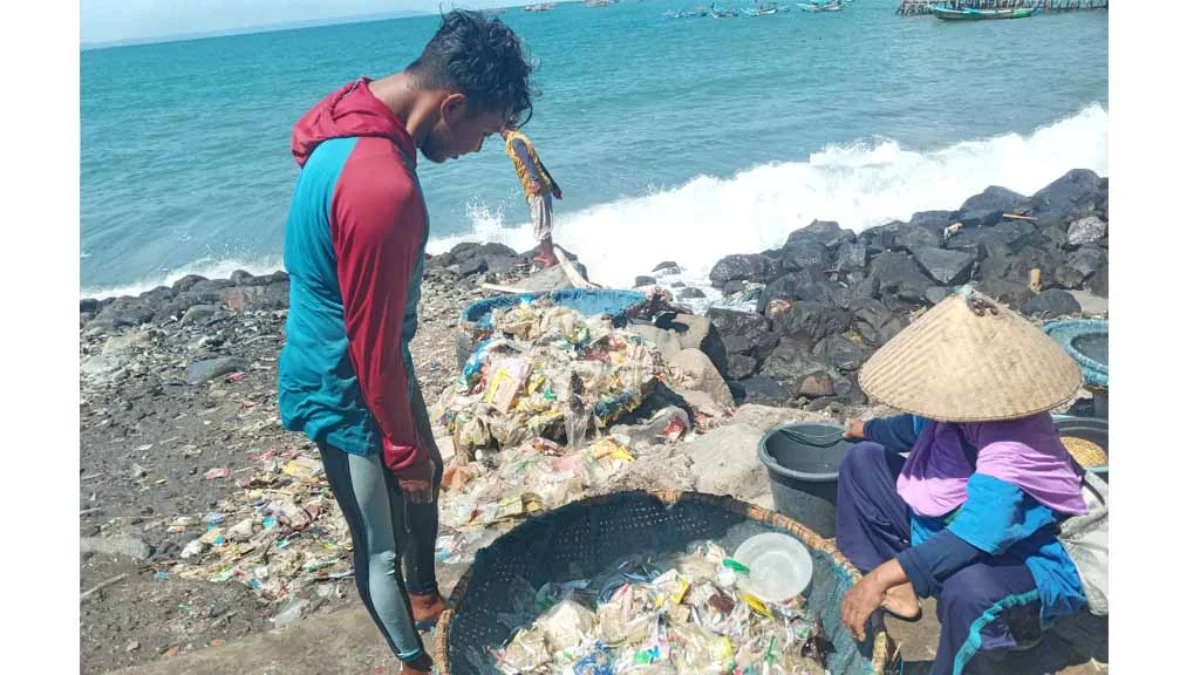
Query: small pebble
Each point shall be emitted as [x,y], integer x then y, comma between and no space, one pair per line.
[133,646]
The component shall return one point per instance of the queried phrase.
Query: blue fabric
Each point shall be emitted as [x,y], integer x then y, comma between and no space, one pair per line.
[896,434]
[975,634]
[588,302]
[317,343]
[317,347]
[929,564]
[998,518]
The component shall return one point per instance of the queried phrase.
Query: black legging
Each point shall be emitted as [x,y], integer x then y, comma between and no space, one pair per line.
[422,521]
[384,527]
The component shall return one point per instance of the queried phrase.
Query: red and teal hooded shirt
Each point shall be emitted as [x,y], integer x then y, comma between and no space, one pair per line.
[354,250]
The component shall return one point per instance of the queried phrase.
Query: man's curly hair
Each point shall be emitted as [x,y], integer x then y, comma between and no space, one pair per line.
[483,59]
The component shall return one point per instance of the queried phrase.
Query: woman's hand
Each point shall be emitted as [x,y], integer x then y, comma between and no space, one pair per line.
[860,603]
[855,430]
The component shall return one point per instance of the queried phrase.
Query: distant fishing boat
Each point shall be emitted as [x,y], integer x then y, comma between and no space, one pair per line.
[544,7]
[723,13]
[967,14]
[814,7]
[765,10]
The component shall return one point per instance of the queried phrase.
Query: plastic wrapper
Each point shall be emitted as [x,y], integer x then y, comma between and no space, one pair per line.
[651,615]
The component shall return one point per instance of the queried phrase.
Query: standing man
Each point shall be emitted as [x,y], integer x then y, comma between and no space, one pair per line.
[539,185]
[354,250]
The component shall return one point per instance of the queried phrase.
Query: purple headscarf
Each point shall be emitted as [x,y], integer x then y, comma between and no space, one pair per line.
[1026,452]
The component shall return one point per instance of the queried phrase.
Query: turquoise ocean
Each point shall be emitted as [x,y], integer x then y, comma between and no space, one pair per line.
[682,140]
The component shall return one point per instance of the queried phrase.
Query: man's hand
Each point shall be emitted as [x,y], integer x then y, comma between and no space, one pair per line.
[863,599]
[855,430]
[417,483]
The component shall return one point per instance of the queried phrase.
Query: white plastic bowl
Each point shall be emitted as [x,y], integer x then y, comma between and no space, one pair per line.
[780,566]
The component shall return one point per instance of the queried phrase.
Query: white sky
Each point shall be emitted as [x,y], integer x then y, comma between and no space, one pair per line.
[114,20]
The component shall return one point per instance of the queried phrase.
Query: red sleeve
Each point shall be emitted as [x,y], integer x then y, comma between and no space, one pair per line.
[378,227]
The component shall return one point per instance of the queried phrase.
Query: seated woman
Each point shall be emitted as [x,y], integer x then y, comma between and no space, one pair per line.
[971,515]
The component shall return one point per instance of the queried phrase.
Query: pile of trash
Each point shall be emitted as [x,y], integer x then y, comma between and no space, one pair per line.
[536,476]
[546,371]
[281,531]
[677,614]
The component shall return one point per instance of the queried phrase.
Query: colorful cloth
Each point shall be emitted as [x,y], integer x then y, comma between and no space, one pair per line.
[986,604]
[1026,452]
[354,251]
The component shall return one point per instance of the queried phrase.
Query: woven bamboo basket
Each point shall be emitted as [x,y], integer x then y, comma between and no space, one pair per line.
[580,539]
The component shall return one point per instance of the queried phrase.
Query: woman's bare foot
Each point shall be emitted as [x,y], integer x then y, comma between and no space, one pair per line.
[427,608]
[902,602]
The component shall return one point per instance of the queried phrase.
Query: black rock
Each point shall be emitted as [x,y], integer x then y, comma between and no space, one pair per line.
[980,218]
[277,277]
[851,256]
[1011,293]
[936,294]
[762,390]
[186,283]
[203,371]
[667,267]
[790,363]
[1098,284]
[1086,230]
[737,344]
[934,221]
[810,322]
[122,313]
[1017,268]
[948,268]
[1078,191]
[741,366]
[897,274]
[90,305]
[691,294]
[995,198]
[1050,304]
[731,288]
[743,267]
[1004,238]
[912,237]
[875,322]
[803,254]
[827,233]
[841,352]
[243,278]
[755,329]
[198,314]
[644,281]
[157,295]
[808,285]
[1081,266]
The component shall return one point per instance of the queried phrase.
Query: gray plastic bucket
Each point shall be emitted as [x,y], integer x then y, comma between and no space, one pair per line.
[802,462]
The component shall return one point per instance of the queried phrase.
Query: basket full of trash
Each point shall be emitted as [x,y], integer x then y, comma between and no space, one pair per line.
[658,582]
[476,321]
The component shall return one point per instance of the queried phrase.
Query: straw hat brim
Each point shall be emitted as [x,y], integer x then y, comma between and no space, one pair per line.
[971,359]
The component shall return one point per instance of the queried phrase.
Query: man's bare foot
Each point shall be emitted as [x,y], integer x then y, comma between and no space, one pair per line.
[902,602]
[545,261]
[427,608]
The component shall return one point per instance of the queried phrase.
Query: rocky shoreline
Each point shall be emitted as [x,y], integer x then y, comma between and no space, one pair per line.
[177,385]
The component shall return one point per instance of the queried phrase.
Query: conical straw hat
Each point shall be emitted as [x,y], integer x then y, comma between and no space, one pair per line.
[971,359]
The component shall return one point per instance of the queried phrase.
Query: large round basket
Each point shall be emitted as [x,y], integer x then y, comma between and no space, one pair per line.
[582,538]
